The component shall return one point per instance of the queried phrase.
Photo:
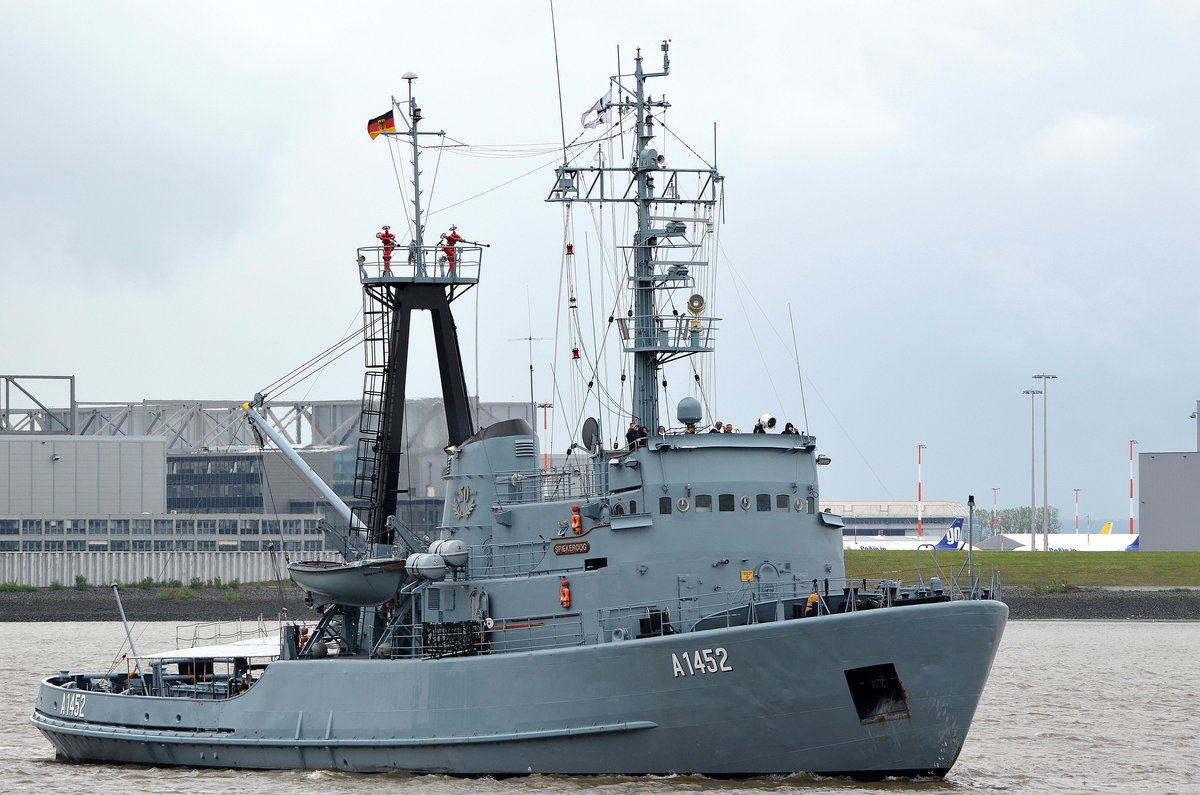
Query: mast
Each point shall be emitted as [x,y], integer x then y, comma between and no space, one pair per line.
[645,362]
[653,339]
[421,278]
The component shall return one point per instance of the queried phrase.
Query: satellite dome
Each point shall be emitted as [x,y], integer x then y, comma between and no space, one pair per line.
[689,412]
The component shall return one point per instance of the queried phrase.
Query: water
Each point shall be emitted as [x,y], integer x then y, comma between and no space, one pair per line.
[1072,707]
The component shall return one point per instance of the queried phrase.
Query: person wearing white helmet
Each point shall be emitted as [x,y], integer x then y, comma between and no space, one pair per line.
[450,240]
[389,242]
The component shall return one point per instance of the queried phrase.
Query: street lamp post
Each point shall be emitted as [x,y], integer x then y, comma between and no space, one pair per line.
[1033,393]
[995,491]
[1132,442]
[1045,379]
[920,511]
[1077,511]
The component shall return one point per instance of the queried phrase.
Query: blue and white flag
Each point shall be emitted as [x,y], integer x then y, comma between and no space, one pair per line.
[601,109]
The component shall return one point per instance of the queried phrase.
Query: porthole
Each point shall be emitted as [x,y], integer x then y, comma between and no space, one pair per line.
[745,503]
[683,504]
[799,505]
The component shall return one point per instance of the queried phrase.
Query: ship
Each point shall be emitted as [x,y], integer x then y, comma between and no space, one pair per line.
[670,602]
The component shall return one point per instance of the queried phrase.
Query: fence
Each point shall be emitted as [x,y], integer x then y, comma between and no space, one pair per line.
[42,569]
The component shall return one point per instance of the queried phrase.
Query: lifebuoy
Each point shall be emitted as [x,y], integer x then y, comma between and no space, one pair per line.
[576,521]
[564,593]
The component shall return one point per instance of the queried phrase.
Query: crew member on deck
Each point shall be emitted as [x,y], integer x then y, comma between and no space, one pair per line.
[389,242]
[451,239]
[631,435]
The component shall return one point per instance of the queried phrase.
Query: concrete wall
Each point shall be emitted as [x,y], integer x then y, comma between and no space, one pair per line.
[82,475]
[101,568]
[1169,502]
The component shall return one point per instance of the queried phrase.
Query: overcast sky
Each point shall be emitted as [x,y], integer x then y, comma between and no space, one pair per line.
[950,196]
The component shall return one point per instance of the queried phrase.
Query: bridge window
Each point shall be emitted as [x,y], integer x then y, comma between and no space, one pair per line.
[725,503]
[664,504]
[781,502]
[703,503]
[764,502]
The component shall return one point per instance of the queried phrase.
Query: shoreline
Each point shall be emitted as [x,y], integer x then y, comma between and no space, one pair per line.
[248,603]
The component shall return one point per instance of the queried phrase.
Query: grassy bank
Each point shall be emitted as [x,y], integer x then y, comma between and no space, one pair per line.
[1044,570]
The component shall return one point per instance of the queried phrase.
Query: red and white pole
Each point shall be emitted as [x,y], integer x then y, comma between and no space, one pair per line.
[1077,511]
[1132,442]
[920,507]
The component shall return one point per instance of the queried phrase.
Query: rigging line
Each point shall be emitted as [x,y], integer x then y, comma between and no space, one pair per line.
[278,526]
[541,167]
[293,379]
[799,375]
[558,323]
[396,169]
[477,387]
[766,368]
[562,122]
[592,310]
[534,170]
[437,167]
[833,415]
[311,362]
[347,334]
[699,157]
[283,390]
[282,385]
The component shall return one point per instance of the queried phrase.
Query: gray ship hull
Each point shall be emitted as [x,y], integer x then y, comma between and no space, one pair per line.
[762,699]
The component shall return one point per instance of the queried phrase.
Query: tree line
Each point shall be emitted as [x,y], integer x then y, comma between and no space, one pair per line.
[1013,520]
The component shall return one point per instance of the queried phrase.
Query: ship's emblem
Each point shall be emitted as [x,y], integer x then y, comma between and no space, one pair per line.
[464,502]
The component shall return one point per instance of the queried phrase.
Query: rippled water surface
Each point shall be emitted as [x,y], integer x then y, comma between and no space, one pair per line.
[1072,706]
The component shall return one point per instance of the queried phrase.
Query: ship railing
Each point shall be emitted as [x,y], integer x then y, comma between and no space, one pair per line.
[427,264]
[549,485]
[780,600]
[506,560]
[669,334]
[216,633]
[531,633]
[468,638]
[976,581]
[757,602]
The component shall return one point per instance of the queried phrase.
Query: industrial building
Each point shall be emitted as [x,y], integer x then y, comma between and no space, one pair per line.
[130,490]
[1169,498]
[929,518]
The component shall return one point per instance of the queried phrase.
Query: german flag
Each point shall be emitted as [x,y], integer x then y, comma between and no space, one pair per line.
[381,124]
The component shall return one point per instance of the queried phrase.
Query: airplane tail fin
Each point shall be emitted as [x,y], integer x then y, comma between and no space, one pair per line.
[1106,529]
[953,537]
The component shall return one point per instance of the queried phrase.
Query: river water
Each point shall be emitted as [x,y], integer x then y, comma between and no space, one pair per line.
[1071,707]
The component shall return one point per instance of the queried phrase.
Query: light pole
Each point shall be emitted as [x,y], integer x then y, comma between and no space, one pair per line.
[995,491]
[1033,393]
[1077,511]
[920,512]
[1132,442]
[1045,379]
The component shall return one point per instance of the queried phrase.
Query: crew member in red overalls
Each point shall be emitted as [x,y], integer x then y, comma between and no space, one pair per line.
[389,242]
[451,239]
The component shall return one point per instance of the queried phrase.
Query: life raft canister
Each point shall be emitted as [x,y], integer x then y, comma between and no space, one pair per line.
[564,593]
[576,521]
